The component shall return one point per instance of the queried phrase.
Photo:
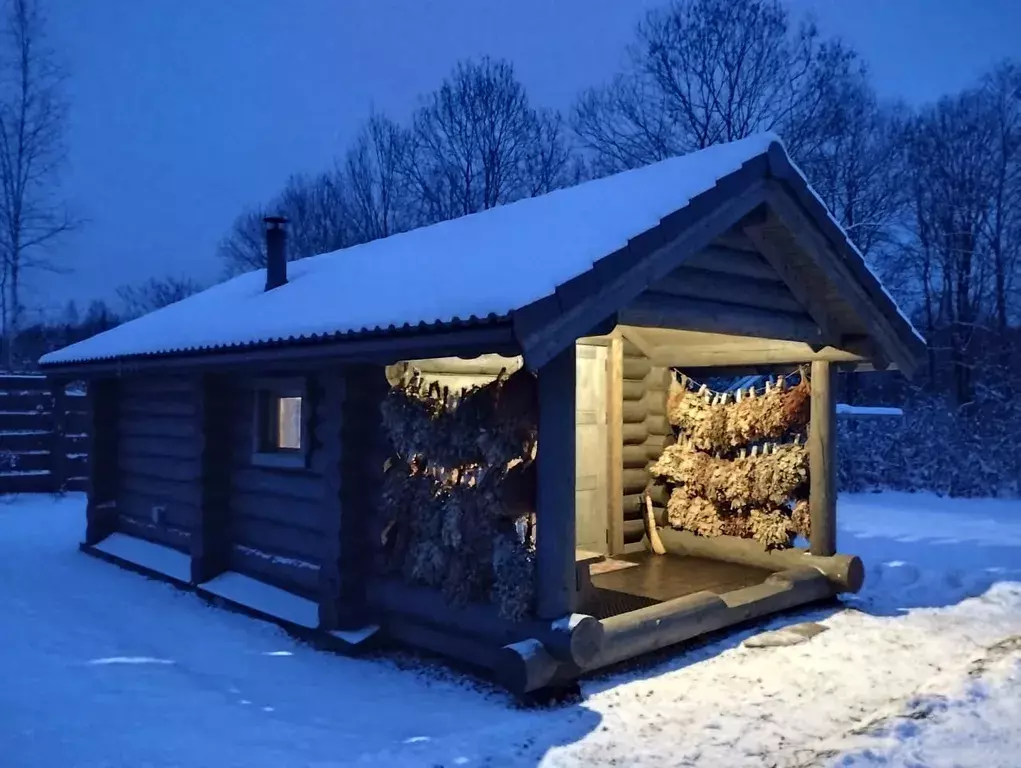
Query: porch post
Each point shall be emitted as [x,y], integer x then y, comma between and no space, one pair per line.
[556,585]
[822,458]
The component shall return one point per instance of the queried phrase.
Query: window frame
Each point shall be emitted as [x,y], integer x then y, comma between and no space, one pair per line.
[264,453]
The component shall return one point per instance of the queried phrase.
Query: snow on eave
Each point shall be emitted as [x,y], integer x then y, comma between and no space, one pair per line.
[494,262]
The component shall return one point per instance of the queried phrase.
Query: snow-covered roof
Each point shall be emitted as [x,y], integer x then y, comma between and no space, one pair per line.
[482,266]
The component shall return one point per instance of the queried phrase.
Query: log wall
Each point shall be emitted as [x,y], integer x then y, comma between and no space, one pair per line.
[159,452]
[275,518]
[645,433]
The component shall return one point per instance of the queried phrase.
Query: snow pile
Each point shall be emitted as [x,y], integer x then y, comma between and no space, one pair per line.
[491,262]
[104,668]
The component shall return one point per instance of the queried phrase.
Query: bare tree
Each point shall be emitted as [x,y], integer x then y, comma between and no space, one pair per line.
[375,169]
[317,209]
[855,160]
[155,293]
[709,71]
[478,143]
[32,123]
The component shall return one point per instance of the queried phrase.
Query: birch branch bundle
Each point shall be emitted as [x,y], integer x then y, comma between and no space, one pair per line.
[762,480]
[775,527]
[712,425]
[459,490]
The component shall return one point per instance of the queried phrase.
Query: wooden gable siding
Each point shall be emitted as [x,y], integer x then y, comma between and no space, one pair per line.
[725,289]
[276,517]
[158,459]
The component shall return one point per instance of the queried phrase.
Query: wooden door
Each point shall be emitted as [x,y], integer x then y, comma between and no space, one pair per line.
[591,444]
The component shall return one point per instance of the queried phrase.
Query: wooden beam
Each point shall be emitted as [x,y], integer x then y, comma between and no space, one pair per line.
[736,353]
[779,258]
[690,283]
[103,481]
[700,222]
[664,311]
[822,448]
[730,261]
[816,245]
[555,514]
[210,540]
[636,337]
[615,445]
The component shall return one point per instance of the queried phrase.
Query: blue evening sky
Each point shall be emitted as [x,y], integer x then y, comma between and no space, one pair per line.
[185,111]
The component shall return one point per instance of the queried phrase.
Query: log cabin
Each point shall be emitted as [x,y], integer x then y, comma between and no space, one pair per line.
[236,444]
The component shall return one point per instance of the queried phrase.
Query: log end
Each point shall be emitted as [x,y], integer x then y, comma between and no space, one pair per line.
[855,575]
[524,666]
[577,639]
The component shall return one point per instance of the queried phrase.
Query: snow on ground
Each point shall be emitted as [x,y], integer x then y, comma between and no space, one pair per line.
[101,667]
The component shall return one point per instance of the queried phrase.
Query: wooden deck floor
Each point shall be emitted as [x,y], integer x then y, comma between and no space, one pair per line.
[658,578]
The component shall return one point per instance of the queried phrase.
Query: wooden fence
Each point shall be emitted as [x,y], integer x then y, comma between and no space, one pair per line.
[43,437]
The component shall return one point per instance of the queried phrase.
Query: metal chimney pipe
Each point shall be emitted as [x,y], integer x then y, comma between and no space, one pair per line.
[276,251]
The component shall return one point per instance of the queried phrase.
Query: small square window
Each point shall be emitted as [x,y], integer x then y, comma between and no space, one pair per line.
[280,434]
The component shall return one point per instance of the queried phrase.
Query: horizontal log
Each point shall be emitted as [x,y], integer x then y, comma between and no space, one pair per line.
[692,283]
[634,411]
[29,421]
[660,426]
[174,538]
[674,621]
[634,480]
[634,530]
[635,456]
[730,261]
[634,434]
[284,573]
[160,447]
[664,311]
[635,369]
[161,490]
[633,390]
[280,484]
[658,379]
[845,572]
[631,349]
[575,639]
[157,426]
[158,512]
[35,461]
[157,385]
[276,539]
[183,470]
[655,445]
[525,666]
[143,407]
[745,352]
[302,514]
[656,402]
[449,643]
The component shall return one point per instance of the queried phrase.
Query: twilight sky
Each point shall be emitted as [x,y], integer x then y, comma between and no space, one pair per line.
[185,111]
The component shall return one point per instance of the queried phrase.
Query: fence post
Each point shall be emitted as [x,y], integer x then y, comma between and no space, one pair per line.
[58,443]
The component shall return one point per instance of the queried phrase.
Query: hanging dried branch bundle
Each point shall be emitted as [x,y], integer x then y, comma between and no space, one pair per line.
[774,527]
[763,480]
[721,426]
[459,492]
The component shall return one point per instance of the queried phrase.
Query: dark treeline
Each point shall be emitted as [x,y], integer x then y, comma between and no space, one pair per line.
[930,195]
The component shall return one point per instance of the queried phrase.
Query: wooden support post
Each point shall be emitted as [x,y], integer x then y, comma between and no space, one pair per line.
[101,510]
[822,450]
[556,587]
[58,444]
[349,456]
[615,446]
[210,542]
